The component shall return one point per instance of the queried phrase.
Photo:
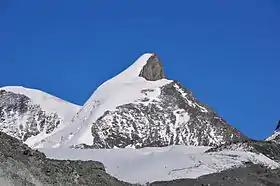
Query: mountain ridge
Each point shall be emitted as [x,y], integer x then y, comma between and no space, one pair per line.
[139,107]
[143,91]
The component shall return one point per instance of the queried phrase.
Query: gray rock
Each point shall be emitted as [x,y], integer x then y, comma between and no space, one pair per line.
[153,70]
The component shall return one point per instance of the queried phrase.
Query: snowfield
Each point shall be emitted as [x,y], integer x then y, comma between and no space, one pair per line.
[161,164]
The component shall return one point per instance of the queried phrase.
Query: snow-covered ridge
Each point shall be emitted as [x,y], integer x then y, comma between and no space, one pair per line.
[46,101]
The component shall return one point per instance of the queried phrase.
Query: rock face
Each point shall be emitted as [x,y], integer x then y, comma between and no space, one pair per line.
[153,70]
[22,117]
[20,165]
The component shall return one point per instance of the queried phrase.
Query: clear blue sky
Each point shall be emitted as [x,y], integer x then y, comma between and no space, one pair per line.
[226,52]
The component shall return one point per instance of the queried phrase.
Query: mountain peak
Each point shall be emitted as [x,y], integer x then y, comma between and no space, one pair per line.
[153,69]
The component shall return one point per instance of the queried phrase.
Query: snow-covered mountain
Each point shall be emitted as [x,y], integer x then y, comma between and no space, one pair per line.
[31,115]
[174,132]
[141,108]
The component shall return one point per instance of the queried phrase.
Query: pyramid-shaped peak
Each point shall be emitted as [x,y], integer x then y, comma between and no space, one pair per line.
[153,69]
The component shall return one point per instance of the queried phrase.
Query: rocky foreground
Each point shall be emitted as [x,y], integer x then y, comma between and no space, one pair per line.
[20,165]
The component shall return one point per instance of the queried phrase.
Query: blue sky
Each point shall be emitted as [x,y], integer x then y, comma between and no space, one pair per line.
[226,52]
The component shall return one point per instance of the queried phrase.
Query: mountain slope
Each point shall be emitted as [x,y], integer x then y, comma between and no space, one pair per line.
[31,115]
[141,108]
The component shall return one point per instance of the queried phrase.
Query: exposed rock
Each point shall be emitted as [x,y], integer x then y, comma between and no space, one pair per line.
[153,70]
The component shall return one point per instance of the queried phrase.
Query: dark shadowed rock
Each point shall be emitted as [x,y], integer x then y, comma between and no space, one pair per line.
[20,165]
[153,70]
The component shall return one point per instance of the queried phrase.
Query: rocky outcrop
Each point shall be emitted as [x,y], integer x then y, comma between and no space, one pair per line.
[153,70]
[20,165]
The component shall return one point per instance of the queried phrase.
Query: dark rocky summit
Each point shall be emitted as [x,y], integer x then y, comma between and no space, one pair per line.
[20,165]
[153,70]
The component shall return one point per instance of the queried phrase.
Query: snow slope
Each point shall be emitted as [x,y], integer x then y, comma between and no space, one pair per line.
[160,164]
[124,88]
